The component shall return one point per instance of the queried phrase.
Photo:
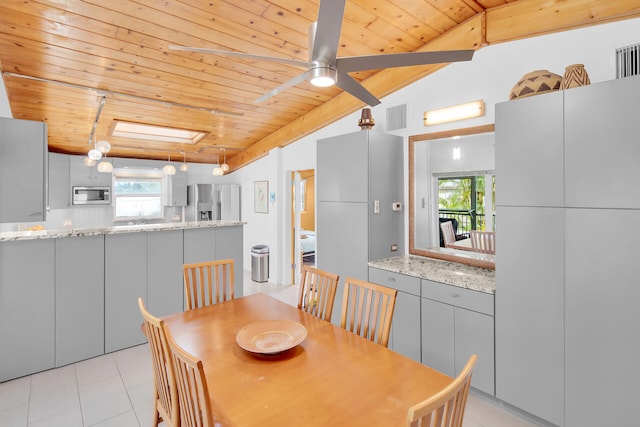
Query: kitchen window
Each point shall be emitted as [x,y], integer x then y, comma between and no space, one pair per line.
[137,194]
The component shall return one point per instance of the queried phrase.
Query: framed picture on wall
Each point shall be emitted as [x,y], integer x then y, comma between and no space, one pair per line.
[261,196]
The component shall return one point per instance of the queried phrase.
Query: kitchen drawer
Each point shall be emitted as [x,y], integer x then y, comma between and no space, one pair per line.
[400,282]
[459,297]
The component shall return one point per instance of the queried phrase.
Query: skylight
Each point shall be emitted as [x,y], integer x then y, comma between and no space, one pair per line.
[156,133]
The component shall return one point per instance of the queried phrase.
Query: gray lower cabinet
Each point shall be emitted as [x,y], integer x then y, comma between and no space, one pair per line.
[27,316]
[202,245]
[405,327]
[530,300]
[165,290]
[125,280]
[456,323]
[229,245]
[602,318]
[79,298]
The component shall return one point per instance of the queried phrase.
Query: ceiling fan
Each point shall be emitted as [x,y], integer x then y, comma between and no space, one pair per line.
[325,69]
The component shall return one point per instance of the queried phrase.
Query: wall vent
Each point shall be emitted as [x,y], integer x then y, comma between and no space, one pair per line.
[628,61]
[397,117]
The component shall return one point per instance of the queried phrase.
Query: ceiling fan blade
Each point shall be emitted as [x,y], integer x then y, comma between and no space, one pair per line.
[326,31]
[373,62]
[293,62]
[351,85]
[286,85]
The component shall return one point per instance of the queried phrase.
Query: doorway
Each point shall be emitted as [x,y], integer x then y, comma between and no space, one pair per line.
[303,224]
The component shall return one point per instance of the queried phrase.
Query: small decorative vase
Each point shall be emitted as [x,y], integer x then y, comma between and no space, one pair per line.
[535,83]
[366,122]
[575,75]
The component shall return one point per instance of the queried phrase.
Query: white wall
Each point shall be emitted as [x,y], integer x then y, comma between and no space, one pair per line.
[489,76]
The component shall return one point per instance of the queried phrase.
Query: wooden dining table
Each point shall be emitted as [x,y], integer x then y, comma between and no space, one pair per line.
[333,378]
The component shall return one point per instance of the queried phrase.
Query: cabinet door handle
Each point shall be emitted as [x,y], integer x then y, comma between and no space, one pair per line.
[455,295]
[392,280]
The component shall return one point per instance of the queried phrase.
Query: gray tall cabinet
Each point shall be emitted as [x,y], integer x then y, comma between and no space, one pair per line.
[566,264]
[358,177]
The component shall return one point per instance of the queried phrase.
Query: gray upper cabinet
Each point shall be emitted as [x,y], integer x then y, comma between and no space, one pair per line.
[59,181]
[529,151]
[602,152]
[176,189]
[87,176]
[23,170]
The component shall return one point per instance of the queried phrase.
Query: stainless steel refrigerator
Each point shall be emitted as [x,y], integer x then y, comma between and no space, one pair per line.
[208,202]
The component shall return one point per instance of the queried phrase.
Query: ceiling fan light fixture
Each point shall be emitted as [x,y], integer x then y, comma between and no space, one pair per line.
[323,76]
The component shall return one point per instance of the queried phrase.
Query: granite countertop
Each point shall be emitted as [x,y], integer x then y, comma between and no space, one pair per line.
[118,229]
[450,273]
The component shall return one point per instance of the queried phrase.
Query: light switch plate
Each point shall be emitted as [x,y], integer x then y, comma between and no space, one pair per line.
[376,206]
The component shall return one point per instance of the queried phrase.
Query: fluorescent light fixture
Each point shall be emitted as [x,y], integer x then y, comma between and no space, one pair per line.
[156,133]
[456,112]
[323,77]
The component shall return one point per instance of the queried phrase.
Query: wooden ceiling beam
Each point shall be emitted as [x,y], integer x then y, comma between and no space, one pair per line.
[512,21]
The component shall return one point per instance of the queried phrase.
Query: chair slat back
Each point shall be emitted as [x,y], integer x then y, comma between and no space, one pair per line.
[163,374]
[483,241]
[317,292]
[367,310]
[193,392]
[209,282]
[446,408]
[448,235]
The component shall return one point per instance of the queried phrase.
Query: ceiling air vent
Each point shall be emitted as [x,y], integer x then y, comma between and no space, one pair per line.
[397,117]
[628,61]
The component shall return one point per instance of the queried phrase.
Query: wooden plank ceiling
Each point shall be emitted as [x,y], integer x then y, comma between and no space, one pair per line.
[59,58]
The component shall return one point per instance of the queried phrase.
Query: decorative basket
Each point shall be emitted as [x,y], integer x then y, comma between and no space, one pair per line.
[575,75]
[535,83]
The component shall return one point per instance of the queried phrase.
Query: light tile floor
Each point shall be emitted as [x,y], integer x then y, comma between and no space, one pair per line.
[116,390]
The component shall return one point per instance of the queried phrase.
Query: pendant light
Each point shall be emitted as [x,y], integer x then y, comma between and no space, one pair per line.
[88,161]
[105,166]
[169,169]
[225,166]
[103,146]
[184,166]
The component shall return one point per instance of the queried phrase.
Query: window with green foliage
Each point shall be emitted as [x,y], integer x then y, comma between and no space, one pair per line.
[137,195]
[463,198]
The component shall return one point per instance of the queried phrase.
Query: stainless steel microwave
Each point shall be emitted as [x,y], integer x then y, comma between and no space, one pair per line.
[91,195]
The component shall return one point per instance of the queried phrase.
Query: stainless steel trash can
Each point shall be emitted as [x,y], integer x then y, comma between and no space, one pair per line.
[260,263]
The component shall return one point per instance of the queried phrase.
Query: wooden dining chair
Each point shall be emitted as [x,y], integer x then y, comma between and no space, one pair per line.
[193,392]
[209,282]
[166,392]
[317,292]
[483,241]
[367,310]
[445,408]
[448,235]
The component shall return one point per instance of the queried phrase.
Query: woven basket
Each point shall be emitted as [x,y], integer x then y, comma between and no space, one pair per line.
[575,75]
[535,83]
